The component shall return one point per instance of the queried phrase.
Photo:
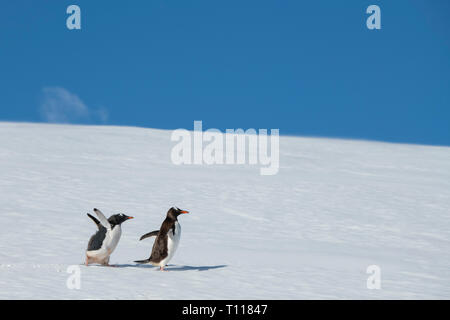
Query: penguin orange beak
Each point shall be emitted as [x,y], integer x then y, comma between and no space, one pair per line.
[184,211]
[130,218]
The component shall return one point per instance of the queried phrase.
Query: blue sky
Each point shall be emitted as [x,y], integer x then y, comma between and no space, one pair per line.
[305,67]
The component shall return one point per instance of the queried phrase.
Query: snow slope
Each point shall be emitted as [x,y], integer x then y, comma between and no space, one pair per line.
[309,232]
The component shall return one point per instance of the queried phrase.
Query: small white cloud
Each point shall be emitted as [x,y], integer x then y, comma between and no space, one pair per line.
[102,114]
[61,106]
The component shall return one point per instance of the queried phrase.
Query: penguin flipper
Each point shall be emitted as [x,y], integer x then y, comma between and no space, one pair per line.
[142,261]
[103,219]
[150,234]
[94,219]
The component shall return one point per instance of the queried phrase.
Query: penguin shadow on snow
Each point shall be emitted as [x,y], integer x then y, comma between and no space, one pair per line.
[198,268]
[172,267]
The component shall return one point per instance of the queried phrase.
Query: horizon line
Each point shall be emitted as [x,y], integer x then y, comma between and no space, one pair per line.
[314,136]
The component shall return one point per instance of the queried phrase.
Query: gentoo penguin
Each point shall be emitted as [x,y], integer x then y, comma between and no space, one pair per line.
[167,239]
[103,243]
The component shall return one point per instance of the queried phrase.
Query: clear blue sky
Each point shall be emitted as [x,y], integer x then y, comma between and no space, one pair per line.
[305,67]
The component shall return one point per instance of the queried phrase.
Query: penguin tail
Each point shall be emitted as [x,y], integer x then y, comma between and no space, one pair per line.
[142,261]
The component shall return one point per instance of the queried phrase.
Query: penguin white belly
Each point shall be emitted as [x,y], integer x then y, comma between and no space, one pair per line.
[108,246]
[172,244]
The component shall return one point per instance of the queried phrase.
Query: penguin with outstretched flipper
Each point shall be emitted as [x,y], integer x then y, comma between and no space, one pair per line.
[102,244]
[167,239]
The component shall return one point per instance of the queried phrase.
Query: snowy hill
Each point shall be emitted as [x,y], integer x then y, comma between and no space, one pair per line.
[309,232]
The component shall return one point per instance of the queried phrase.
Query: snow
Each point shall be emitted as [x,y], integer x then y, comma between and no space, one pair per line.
[310,232]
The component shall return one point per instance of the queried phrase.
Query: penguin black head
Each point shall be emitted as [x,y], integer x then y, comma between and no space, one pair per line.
[116,219]
[174,212]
